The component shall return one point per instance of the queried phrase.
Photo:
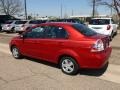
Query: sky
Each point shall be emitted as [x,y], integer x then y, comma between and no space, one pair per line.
[52,7]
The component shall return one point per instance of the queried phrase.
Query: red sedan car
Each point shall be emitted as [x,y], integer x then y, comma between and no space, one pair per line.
[72,46]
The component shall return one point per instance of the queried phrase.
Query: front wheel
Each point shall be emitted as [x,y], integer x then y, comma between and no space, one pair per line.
[69,66]
[16,53]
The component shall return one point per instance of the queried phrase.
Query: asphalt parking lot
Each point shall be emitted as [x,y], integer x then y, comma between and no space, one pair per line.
[31,74]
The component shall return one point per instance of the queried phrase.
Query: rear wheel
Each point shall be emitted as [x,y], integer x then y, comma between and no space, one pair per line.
[69,66]
[111,36]
[16,53]
[115,33]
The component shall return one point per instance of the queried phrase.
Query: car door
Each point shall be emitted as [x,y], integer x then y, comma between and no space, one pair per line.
[44,42]
[31,43]
[54,41]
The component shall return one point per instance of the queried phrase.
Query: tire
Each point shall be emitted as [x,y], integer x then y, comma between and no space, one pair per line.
[0,30]
[111,36]
[7,32]
[13,30]
[69,66]
[16,53]
[115,33]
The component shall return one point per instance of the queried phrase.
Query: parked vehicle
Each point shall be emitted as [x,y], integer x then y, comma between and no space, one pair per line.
[104,26]
[4,18]
[19,27]
[9,26]
[72,46]
[32,23]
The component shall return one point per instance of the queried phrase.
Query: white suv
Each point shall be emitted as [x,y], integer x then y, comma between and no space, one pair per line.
[104,26]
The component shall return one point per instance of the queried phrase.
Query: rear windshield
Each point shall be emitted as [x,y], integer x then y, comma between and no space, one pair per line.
[8,22]
[84,30]
[20,22]
[99,21]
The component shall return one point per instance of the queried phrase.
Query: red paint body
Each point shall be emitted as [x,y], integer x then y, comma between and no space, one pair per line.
[77,46]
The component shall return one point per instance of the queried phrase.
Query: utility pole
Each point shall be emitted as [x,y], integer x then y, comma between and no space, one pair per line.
[61,7]
[72,12]
[94,4]
[25,9]
[112,8]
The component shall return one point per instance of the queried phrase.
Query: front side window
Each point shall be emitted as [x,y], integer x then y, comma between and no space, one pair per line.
[37,32]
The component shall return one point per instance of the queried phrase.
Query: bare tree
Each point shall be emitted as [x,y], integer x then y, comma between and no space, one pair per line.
[10,7]
[115,4]
[95,3]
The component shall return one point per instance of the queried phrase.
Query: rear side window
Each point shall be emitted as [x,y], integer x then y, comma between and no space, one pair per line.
[56,32]
[84,30]
[99,21]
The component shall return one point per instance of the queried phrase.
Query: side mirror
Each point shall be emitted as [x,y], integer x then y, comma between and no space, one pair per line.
[22,36]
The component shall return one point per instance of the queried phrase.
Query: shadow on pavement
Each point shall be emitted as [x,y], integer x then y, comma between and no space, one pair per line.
[88,72]
[42,62]
[93,72]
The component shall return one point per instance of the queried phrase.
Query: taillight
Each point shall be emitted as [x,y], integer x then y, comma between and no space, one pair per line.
[108,27]
[97,46]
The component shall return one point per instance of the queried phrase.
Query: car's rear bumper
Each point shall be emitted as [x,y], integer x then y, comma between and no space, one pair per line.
[97,60]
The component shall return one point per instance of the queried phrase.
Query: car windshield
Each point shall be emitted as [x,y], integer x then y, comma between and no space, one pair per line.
[99,21]
[84,30]
[20,22]
[8,22]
